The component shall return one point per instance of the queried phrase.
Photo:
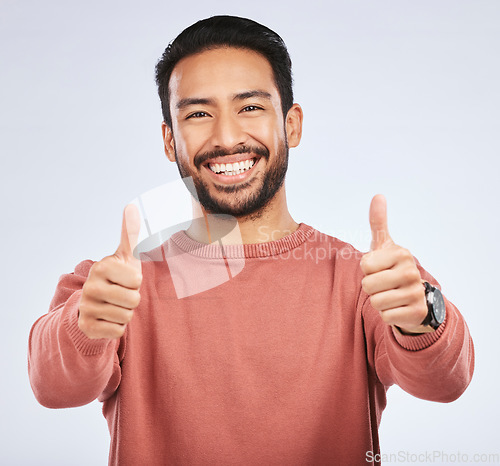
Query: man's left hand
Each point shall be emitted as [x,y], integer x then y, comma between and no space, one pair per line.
[392,279]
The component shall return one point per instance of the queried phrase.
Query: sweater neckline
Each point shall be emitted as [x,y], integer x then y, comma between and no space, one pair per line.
[240,251]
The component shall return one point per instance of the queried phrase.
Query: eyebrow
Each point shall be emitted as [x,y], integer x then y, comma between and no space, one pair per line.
[183,103]
[250,94]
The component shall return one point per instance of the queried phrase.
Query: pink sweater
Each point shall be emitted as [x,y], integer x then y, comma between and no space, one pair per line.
[284,363]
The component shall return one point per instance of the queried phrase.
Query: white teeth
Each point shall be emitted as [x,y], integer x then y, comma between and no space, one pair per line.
[232,168]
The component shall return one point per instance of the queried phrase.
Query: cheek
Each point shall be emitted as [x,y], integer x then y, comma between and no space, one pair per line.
[187,144]
[181,146]
[270,133]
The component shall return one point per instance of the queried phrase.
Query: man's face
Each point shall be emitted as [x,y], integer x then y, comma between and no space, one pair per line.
[226,109]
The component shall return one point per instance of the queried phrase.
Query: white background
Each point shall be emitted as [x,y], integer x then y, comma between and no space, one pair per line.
[400,97]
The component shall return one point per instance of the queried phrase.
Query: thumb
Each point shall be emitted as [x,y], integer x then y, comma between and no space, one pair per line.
[131,225]
[378,223]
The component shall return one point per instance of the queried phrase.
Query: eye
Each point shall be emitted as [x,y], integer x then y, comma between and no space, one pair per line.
[251,108]
[197,115]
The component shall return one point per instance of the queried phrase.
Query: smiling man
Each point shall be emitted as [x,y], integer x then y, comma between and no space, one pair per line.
[288,361]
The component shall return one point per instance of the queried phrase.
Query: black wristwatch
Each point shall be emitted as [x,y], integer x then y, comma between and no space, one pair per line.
[436,309]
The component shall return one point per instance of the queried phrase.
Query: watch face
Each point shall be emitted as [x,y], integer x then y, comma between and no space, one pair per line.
[439,306]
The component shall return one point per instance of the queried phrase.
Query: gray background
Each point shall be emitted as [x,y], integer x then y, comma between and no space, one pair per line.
[400,97]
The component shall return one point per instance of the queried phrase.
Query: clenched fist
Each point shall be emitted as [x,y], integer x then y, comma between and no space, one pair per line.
[111,291]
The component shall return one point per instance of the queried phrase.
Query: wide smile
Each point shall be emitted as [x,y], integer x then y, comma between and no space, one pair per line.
[230,173]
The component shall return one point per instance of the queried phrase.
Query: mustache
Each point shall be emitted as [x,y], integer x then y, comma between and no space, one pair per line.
[257,150]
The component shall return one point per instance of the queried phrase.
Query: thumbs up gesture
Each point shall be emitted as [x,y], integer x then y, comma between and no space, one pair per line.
[392,279]
[111,291]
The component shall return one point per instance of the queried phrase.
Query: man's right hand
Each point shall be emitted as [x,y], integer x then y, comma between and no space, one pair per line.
[111,291]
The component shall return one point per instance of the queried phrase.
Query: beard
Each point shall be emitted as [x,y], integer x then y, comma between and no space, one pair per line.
[242,199]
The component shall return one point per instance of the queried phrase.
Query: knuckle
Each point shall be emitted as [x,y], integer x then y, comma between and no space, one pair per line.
[102,268]
[365,263]
[95,289]
[118,331]
[365,285]
[85,287]
[375,301]
[422,314]
[403,254]
[87,327]
[416,276]
[135,299]
[92,326]
[89,287]
[418,292]
[137,280]
[84,316]
[99,267]
[86,290]
[82,308]
[86,309]
[362,262]
[385,317]
[409,274]
[409,257]
[82,323]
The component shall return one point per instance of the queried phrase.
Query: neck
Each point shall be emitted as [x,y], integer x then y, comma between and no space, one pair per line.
[269,224]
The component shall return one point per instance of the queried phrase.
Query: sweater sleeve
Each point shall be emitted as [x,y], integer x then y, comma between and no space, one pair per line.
[65,367]
[435,366]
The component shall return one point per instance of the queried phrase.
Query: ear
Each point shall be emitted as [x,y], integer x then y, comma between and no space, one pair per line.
[294,125]
[168,141]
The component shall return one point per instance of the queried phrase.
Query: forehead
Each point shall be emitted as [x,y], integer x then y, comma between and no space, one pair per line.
[219,72]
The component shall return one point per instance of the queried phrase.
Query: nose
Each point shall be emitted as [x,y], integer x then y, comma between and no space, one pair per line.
[227,132]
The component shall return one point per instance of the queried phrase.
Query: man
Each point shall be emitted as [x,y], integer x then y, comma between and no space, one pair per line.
[289,360]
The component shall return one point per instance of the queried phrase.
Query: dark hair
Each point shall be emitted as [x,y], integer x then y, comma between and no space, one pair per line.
[226,31]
